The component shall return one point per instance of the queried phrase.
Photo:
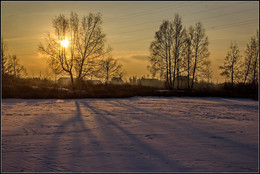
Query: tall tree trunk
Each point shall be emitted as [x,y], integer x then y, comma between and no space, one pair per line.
[254,72]
[232,75]
[193,75]
[248,68]
[106,78]
[188,68]
[167,66]
[72,80]
[170,65]
[178,74]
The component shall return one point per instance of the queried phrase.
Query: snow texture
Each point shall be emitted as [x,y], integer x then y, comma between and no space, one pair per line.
[140,134]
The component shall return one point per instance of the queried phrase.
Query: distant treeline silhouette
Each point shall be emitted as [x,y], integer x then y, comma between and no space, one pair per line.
[237,70]
[11,68]
[177,54]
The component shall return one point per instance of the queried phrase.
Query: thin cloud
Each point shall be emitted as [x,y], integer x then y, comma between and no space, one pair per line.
[124,59]
[140,57]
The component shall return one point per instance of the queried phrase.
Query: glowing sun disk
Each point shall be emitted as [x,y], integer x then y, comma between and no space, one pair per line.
[65,43]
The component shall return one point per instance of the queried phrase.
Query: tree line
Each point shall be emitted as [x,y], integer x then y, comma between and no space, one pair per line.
[177,52]
[244,71]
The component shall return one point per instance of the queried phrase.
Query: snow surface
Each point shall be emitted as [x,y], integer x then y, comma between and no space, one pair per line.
[140,134]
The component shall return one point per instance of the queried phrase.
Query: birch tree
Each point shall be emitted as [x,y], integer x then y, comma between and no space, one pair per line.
[90,43]
[160,52]
[75,45]
[165,50]
[251,60]
[201,53]
[231,67]
[4,58]
[108,68]
[188,54]
[178,43]
[60,52]
[16,69]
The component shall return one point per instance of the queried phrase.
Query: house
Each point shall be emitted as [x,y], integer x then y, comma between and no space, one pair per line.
[116,81]
[151,83]
[183,82]
[64,81]
[94,82]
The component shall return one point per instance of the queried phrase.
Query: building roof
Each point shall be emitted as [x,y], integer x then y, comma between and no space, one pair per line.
[64,78]
[116,79]
[149,79]
[93,80]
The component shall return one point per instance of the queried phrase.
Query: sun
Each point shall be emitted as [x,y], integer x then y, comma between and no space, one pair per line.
[65,43]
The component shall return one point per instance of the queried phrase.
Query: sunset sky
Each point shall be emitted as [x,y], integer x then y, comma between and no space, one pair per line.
[129,27]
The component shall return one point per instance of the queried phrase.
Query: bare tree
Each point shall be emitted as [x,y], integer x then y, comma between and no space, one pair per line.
[160,52]
[231,67]
[16,70]
[188,53]
[84,42]
[207,72]
[201,53]
[251,60]
[61,56]
[178,43]
[109,67]
[5,66]
[90,43]
[175,51]
[10,63]
[256,61]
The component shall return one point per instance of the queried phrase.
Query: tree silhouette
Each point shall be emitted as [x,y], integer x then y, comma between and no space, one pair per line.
[85,44]
[176,51]
[188,53]
[160,52]
[60,58]
[166,49]
[16,70]
[207,71]
[10,63]
[231,68]
[5,57]
[252,60]
[201,53]
[178,43]
[90,43]
[108,68]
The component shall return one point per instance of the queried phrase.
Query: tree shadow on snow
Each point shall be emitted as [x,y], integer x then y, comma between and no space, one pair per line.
[70,131]
[142,165]
[246,149]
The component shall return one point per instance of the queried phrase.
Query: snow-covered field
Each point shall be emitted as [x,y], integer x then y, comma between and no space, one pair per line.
[140,134]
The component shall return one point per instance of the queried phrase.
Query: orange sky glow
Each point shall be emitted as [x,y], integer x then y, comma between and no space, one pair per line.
[129,27]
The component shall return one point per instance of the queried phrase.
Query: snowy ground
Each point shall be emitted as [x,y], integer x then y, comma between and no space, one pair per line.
[149,134]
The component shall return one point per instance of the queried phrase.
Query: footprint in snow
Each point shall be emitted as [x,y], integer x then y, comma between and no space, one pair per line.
[217,137]
[149,136]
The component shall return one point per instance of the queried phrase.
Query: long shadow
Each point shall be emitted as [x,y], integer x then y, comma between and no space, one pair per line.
[200,131]
[38,119]
[108,135]
[61,139]
[169,164]
[111,136]
[21,149]
[51,163]
[250,149]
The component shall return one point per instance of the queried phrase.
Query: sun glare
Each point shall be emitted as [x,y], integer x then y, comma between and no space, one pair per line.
[65,43]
